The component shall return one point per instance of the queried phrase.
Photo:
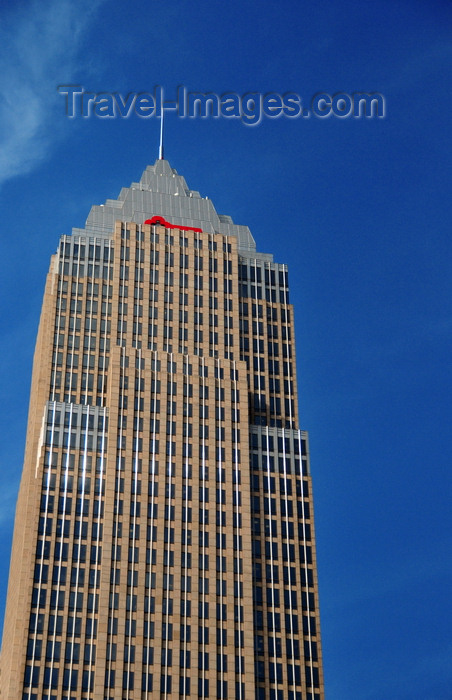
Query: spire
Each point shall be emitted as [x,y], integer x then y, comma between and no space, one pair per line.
[162,111]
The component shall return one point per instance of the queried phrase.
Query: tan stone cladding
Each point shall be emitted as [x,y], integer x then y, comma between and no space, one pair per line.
[164,542]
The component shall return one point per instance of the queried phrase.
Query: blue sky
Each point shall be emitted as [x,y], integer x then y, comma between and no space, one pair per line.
[359,208]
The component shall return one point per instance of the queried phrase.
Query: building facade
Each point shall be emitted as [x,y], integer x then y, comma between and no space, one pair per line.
[163,543]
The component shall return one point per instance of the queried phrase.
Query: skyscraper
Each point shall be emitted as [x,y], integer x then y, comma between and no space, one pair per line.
[163,543]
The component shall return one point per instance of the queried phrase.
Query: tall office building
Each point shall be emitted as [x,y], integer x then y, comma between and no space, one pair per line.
[163,544]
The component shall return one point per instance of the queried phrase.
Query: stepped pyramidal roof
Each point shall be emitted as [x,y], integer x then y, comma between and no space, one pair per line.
[161,191]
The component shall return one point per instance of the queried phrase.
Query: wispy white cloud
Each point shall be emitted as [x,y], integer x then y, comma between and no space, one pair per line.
[41,46]
[8,497]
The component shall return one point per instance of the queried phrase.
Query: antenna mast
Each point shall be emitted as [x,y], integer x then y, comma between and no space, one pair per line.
[162,111]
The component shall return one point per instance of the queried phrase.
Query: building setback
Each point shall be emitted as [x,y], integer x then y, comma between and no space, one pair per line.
[164,541]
